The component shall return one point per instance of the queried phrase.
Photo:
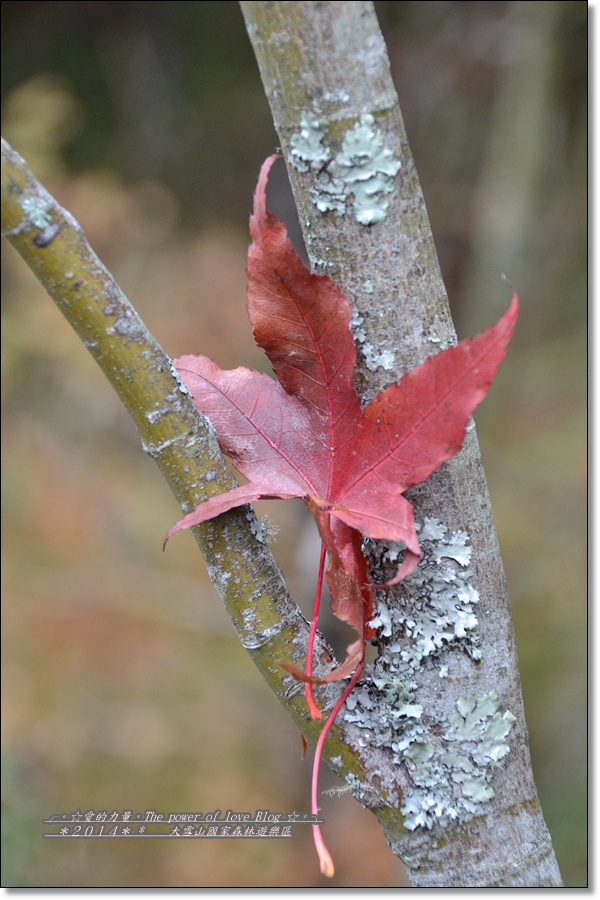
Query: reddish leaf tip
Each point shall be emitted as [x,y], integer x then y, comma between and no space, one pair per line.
[169,535]
[260,194]
[304,746]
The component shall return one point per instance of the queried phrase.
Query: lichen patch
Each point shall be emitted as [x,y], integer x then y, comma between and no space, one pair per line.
[360,175]
[449,761]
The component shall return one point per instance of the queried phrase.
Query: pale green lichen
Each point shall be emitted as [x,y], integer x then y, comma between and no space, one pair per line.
[367,169]
[449,763]
[340,96]
[329,194]
[38,212]
[478,719]
[363,169]
[307,151]
[452,776]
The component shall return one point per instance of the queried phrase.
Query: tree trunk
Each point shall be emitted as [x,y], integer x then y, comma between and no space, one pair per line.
[441,709]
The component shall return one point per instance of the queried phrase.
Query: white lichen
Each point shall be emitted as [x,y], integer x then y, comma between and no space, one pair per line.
[356,328]
[155,415]
[384,360]
[441,612]
[337,790]
[180,385]
[382,621]
[441,345]
[449,763]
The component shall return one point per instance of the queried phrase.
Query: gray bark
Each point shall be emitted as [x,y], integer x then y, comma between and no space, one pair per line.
[439,719]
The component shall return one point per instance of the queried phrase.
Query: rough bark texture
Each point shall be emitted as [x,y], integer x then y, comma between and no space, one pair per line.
[324,66]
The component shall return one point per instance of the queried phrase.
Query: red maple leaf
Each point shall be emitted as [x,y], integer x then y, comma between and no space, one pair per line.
[304,434]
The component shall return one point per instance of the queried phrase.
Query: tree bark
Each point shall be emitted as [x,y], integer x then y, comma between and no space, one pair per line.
[456,796]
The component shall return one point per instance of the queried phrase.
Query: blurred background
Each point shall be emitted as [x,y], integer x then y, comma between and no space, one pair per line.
[124,684]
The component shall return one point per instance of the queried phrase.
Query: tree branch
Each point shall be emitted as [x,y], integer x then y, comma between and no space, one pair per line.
[472,815]
[173,432]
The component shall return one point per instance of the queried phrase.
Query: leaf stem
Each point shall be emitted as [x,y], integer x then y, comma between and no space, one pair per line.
[314,710]
[325,860]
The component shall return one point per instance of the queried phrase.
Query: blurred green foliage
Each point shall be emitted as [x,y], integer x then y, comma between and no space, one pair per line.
[124,684]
